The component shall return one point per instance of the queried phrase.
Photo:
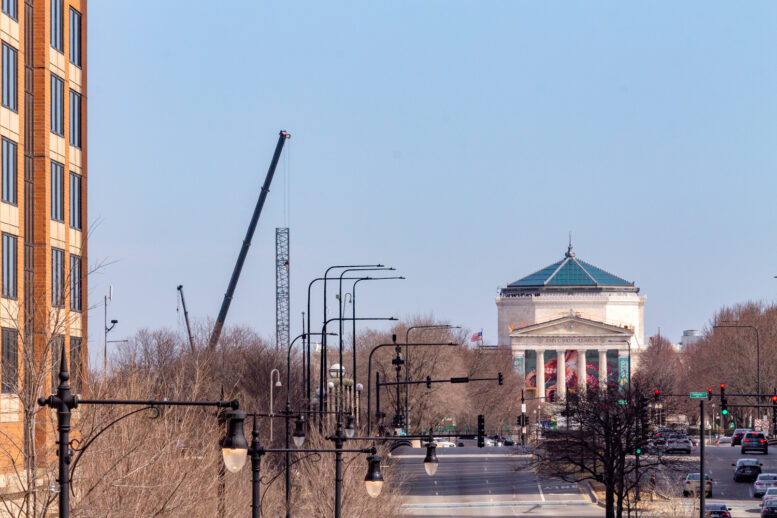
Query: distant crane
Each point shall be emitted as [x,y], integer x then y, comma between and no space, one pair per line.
[222,316]
[282,288]
[186,317]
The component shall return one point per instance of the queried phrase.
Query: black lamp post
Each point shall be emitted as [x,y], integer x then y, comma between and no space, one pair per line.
[64,402]
[353,330]
[407,361]
[369,370]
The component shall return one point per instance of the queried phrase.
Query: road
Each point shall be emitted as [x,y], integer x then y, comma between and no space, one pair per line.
[738,496]
[494,482]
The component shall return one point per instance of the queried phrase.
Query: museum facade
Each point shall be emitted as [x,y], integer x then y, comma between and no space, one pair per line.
[572,318]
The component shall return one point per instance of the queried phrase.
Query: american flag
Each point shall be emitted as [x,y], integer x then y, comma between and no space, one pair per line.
[477,337]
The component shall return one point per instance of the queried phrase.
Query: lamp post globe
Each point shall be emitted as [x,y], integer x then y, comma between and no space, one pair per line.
[373,482]
[299,433]
[234,448]
[430,461]
[350,429]
[337,371]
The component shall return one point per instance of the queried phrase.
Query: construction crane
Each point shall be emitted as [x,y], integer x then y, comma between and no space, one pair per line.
[186,317]
[222,316]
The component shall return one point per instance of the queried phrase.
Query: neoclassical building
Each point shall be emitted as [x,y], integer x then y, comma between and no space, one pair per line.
[573,310]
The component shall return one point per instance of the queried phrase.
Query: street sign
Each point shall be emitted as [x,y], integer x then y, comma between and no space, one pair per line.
[621,401]
[698,395]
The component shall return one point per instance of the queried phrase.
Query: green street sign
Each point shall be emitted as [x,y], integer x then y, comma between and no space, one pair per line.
[731,425]
[698,395]
[621,401]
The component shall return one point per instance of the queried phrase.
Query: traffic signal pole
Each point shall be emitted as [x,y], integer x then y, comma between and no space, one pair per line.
[702,481]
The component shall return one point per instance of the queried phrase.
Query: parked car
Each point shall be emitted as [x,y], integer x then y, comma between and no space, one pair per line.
[691,484]
[472,440]
[716,510]
[763,482]
[507,441]
[769,509]
[746,469]
[443,443]
[678,444]
[755,441]
[738,435]
[723,439]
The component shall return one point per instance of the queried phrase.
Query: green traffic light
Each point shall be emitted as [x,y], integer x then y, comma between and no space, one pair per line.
[639,451]
[724,411]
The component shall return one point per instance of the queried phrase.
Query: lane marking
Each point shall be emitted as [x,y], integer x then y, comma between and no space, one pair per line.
[540,488]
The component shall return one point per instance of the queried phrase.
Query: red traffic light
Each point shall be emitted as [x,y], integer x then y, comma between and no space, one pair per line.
[722,385]
[774,399]
[656,392]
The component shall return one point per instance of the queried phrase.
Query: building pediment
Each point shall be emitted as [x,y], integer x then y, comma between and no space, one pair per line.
[572,325]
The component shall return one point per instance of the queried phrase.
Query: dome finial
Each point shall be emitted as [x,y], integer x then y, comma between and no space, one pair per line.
[570,253]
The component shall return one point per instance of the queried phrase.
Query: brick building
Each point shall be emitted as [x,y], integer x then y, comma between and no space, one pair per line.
[42,214]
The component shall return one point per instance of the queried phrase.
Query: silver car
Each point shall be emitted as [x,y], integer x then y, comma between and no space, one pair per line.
[764,482]
[691,484]
[675,444]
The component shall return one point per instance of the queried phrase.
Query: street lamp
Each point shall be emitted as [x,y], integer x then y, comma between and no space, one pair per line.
[350,429]
[430,461]
[234,447]
[373,482]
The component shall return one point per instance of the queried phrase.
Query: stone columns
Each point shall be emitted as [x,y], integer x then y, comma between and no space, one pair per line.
[603,368]
[561,374]
[540,373]
[582,372]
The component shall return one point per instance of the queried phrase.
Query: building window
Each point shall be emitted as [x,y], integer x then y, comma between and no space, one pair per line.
[75,363]
[10,361]
[75,282]
[75,119]
[9,266]
[57,277]
[9,8]
[57,191]
[75,37]
[56,24]
[9,171]
[57,343]
[75,200]
[9,77]
[57,106]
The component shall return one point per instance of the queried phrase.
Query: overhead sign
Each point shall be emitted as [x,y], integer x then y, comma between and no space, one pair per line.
[698,395]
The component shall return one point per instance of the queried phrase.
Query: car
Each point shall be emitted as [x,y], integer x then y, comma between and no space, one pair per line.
[466,440]
[769,496]
[723,439]
[763,482]
[738,435]
[769,509]
[442,443]
[678,444]
[746,469]
[716,510]
[691,484]
[507,441]
[755,441]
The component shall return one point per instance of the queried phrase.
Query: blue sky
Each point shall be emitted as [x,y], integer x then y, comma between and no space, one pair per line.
[457,141]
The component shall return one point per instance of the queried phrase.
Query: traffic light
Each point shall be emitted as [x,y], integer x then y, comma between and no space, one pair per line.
[501,378]
[638,451]
[656,394]
[481,431]
[709,394]
[428,382]
[723,402]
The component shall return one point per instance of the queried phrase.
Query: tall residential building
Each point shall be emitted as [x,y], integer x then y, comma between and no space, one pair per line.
[42,212]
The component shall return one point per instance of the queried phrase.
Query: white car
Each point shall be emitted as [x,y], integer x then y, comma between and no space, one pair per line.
[764,482]
[442,443]
[770,494]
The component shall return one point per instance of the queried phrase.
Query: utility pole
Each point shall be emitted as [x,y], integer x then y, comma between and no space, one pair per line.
[523,419]
[702,480]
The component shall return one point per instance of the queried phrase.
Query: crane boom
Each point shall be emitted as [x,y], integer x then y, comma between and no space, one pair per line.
[214,337]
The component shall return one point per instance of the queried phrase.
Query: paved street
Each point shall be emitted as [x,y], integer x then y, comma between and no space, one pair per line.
[486,482]
[737,495]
